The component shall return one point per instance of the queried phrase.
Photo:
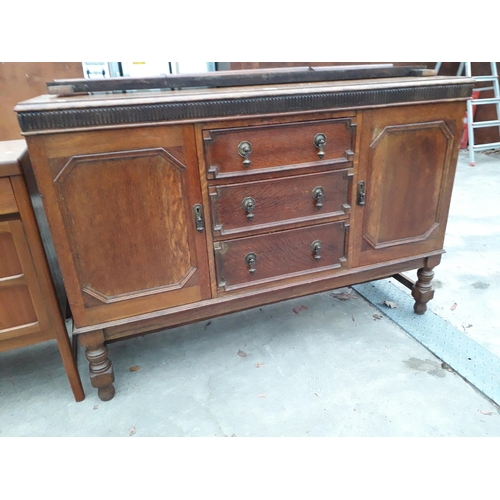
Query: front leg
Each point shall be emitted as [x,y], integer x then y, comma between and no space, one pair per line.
[101,369]
[422,291]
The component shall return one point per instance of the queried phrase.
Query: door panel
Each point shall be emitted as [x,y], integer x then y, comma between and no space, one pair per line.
[129,225]
[126,240]
[408,169]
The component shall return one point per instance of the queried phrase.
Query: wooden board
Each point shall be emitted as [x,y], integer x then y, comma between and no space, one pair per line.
[232,79]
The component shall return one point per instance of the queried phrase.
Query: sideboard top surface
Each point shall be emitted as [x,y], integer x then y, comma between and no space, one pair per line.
[52,113]
[51,102]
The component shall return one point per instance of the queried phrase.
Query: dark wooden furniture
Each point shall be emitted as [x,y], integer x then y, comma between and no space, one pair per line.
[171,207]
[29,308]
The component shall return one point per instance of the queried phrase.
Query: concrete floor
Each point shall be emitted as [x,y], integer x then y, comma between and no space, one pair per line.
[331,369]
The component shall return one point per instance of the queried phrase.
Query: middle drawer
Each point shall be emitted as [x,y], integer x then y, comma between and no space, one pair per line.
[238,208]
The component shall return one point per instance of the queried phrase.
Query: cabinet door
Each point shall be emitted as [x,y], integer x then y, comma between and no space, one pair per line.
[120,208]
[407,163]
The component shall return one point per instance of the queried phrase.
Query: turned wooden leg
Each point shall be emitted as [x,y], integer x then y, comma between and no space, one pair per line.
[101,369]
[422,291]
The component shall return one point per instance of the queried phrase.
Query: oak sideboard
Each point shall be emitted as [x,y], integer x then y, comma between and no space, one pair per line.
[198,199]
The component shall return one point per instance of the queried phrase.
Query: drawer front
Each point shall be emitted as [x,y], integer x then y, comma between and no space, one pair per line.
[259,205]
[277,147]
[16,310]
[21,304]
[8,203]
[285,254]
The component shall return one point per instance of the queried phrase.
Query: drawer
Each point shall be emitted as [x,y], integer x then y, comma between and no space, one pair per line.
[277,147]
[8,203]
[284,254]
[16,309]
[272,203]
[10,265]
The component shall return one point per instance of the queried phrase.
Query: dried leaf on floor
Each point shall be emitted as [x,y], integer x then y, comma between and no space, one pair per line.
[454,306]
[297,309]
[258,365]
[134,368]
[242,354]
[132,430]
[346,295]
[485,412]
[261,396]
[377,316]
[390,304]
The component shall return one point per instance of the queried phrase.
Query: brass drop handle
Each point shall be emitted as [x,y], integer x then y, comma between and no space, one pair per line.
[251,259]
[248,205]
[316,249]
[318,194]
[244,150]
[320,143]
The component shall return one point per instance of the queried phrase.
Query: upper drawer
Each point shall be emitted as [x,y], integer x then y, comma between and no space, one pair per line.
[273,203]
[8,203]
[269,148]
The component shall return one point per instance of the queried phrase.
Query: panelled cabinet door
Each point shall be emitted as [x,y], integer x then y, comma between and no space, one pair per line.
[120,207]
[406,170]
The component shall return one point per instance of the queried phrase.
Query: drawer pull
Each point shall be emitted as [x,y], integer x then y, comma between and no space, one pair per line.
[316,249]
[244,149]
[251,259]
[320,143]
[318,194]
[248,205]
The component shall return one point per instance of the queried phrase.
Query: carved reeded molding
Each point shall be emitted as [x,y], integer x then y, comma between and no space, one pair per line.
[32,121]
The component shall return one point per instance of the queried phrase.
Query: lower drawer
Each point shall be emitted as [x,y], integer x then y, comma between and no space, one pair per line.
[285,254]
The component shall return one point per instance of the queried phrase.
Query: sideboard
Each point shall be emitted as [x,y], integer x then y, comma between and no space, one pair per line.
[176,205]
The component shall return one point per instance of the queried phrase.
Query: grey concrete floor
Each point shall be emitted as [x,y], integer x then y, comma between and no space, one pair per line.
[331,369]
